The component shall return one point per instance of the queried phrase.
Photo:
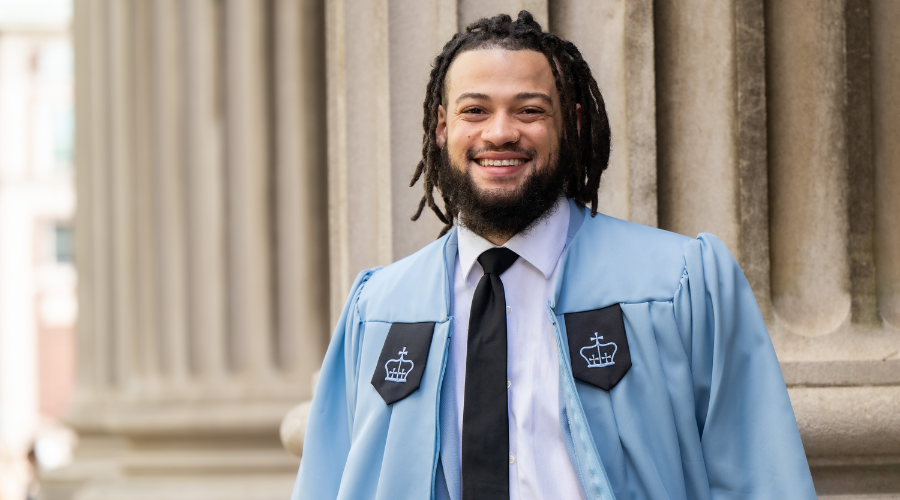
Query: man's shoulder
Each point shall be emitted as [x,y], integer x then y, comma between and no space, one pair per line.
[626,261]
[429,256]
[623,238]
[411,290]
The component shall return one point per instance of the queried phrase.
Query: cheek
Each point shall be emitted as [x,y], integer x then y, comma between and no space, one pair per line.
[464,131]
[461,138]
[456,146]
[543,137]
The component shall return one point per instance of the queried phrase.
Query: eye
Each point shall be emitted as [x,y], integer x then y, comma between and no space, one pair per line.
[472,111]
[530,114]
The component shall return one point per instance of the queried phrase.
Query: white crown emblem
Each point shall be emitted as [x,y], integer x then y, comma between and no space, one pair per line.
[599,355]
[398,369]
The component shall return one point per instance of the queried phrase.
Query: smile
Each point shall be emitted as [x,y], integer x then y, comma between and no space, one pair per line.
[500,163]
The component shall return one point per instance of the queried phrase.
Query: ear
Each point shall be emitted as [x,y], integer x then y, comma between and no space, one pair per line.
[440,132]
[578,118]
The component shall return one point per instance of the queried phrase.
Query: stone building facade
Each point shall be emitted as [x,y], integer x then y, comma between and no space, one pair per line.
[239,161]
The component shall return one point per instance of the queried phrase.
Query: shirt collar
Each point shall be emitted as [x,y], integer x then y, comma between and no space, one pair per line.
[541,246]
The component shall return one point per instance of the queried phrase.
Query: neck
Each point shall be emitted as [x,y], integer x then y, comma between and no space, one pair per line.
[497,238]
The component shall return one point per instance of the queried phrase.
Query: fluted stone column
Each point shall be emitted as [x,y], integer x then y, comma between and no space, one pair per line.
[204,129]
[809,159]
[247,166]
[378,60]
[615,37]
[301,172]
[886,114]
[359,170]
[697,115]
[148,365]
[122,192]
[202,244]
[711,126]
[826,165]
[167,96]
[94,204]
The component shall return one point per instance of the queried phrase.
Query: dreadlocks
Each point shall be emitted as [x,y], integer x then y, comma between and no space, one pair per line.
[588,152]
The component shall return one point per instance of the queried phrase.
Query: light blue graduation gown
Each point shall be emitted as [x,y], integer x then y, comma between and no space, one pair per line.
[703,412]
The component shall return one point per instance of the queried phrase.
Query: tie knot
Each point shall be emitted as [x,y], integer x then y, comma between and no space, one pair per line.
[497,260]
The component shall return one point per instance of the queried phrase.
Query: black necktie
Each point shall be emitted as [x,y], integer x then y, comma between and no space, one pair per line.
[485,432]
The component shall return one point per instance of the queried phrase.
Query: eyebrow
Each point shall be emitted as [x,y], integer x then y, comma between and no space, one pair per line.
[519,97]
[472,95]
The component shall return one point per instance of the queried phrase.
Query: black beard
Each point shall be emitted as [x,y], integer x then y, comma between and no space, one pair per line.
[492,214]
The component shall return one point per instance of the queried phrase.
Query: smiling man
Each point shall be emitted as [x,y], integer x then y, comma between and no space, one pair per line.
[498,129]
[538,349]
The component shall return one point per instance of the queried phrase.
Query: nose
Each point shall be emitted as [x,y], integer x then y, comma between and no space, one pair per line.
[500,130]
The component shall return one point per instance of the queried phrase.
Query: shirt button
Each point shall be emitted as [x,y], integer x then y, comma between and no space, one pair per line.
[512,459]
[508,384]
[508,310]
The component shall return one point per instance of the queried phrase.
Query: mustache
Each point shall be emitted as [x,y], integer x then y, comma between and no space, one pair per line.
[531,153]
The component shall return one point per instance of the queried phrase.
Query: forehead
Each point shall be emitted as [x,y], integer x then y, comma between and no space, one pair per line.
[499,72]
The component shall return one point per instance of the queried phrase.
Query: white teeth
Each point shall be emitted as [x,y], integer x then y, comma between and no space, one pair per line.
[501,163]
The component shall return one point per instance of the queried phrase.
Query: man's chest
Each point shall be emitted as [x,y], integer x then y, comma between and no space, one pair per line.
[532,357]
[532,360]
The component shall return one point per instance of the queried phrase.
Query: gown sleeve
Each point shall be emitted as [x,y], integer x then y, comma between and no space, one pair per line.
[748,432]
[326,443]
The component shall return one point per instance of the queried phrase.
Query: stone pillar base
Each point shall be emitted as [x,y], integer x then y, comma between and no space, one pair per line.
[257,487]
[193,451]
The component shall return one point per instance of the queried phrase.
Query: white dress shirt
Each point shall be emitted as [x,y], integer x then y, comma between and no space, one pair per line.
[539,464]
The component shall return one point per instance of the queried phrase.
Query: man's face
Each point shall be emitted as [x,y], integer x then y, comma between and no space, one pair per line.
[499,131]
[501,118]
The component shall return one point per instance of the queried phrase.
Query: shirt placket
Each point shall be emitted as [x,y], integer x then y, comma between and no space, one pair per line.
[513,333]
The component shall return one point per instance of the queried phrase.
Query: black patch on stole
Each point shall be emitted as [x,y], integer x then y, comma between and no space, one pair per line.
[402,362]
[598,347]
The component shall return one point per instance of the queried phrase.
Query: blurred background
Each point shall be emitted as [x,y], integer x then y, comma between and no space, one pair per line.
[38,304]
[218,171]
